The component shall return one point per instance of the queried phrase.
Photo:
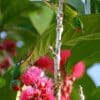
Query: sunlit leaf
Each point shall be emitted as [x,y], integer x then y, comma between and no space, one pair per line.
[41,19]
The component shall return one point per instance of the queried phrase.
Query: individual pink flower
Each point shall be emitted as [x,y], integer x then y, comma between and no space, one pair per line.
[45,86]
[79,69]
[67,87]
[65,97]
[65,54]
[27,94]
[31,75]
[46,63]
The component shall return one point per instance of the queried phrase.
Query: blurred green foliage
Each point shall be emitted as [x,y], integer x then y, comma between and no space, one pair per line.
[34,23]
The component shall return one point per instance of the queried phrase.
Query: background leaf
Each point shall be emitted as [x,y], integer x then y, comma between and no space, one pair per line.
[41,19]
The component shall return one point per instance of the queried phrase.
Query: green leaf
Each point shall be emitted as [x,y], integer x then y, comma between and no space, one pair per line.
[42,47]
[48,38]
[2,82]
[75,93]
[95,95]
[5,90]
[84,45]
[72,40]
[77,4]
[15,22]
[87,85]
[83,51]
[90,31]
[41,19]
[95,6]
[13,9]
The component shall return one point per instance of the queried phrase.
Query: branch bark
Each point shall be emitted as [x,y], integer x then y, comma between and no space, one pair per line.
[82,97]
[59,31]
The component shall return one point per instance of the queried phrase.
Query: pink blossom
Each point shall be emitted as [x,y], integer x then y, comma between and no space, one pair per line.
[42,86]
[44,89]
[64,97]
[67,87]
[46,63]
[78,69]
[65,54]
[27,94]
[31,75]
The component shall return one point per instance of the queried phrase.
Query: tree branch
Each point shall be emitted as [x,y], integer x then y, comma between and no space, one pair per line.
[82,97]
[59,31]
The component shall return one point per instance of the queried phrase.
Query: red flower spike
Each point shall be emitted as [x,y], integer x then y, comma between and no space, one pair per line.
[78,69]
[45,62]
[65,54]
[10,46]
[2,47]
[1,66]
[5,64]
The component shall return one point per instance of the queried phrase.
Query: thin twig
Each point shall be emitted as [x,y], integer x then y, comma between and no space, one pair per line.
[82,97]
[59,31]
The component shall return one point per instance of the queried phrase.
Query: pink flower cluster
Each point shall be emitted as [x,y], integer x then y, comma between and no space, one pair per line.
[39,87]
[67,84]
